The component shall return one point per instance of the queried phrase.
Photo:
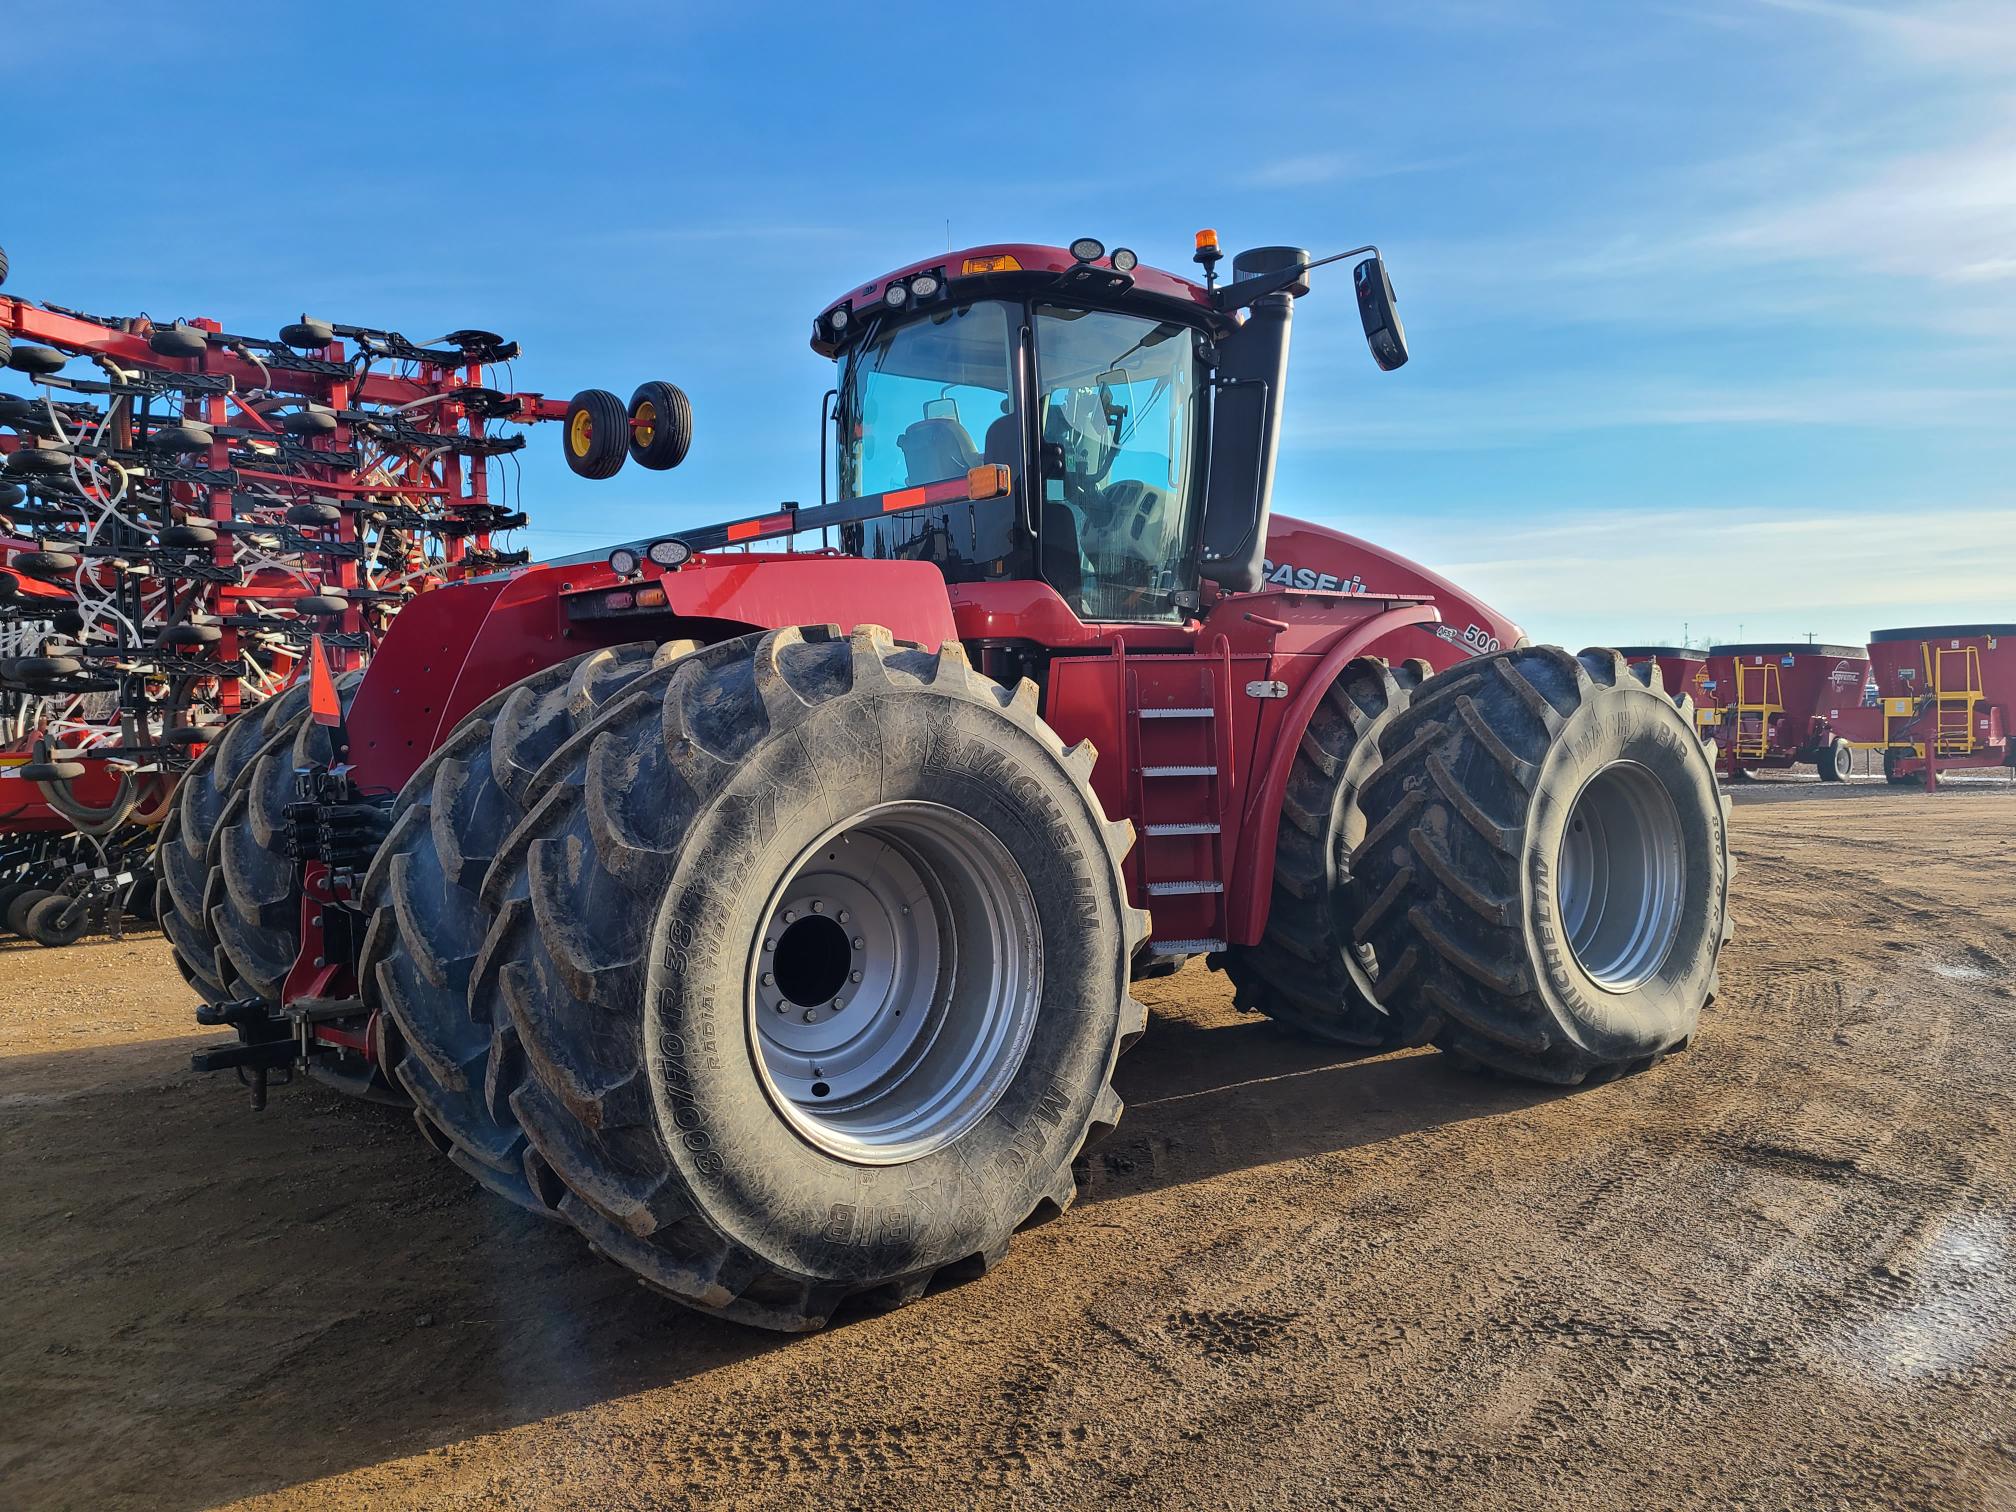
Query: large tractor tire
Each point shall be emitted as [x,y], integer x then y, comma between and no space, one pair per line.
[426,921]
[190,878]
[816,951]
[1548,861]
[256,912]
[1310,971]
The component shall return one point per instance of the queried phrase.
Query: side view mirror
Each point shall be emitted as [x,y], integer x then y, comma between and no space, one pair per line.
[1383,332]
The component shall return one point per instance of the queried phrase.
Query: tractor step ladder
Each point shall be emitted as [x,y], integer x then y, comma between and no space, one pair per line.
[1956,691]
[1751,736]
[1181,774]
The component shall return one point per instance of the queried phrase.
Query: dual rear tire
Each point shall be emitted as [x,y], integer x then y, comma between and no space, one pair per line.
[795,972]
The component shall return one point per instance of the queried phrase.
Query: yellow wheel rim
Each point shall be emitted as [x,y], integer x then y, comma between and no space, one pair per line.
[645,422]
[580,432]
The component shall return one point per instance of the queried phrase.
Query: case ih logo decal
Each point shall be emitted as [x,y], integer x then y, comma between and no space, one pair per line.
[1288,575]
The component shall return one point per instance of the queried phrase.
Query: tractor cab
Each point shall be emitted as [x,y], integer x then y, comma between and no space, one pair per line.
[1132,413]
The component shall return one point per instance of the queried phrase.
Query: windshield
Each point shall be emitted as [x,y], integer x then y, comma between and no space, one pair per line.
[928,401]
[1115,416]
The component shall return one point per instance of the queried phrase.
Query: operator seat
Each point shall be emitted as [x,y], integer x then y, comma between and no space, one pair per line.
[937,449]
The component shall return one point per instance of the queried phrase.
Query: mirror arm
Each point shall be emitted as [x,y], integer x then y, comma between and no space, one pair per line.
[1234,296]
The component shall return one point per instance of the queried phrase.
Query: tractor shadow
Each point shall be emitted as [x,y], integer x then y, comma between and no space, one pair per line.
[210,1303]
[1211,1093]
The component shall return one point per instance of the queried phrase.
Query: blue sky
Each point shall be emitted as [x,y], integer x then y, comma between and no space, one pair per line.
[1713,303]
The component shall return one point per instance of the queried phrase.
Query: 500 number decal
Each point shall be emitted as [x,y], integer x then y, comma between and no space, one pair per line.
[1474,639]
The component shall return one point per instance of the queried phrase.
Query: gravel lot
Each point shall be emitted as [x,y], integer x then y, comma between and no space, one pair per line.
[1774,1272]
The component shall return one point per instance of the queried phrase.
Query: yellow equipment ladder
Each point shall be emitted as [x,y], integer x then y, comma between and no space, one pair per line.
[1956,690]
[1752,735]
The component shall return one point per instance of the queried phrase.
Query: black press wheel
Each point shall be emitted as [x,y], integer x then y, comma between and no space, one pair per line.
[58,920]
[24,904]
[597,434]
[661,426]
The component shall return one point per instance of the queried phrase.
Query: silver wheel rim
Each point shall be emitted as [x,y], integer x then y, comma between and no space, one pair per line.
[1618,881]
[893,990]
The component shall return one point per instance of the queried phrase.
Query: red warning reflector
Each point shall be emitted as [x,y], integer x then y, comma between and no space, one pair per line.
[324,707]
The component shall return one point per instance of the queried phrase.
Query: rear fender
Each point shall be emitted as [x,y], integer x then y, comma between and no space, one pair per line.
[450,650]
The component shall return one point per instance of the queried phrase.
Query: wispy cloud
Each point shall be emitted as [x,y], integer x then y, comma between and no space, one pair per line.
[1631,574]
[1540,409]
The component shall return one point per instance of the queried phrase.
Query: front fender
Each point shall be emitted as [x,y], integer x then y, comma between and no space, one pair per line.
[1259,831]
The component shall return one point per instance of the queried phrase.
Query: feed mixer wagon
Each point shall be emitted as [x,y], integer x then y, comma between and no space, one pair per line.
[1787,703]
[1944,690]
[762,899]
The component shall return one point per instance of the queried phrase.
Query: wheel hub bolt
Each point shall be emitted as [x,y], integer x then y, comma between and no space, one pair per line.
[767,979]
[811,1017]
[838,1004]
[789,915]
[817,906]
[859,943]
[853,976]
[843,916]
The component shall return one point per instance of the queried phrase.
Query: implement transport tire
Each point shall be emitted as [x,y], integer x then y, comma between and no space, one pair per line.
[1308,971]
[1837,762]
[189,878]
[1549,862]
[425,918]
[703,934]
[661,426]
[596,436]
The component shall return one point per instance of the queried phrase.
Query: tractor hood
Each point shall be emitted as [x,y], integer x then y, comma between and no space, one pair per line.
[1301,554]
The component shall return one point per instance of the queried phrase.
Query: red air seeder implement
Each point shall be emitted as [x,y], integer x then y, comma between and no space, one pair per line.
[184,512]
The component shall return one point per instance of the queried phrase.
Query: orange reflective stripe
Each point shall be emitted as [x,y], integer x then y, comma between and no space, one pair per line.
[744,530]
[903,498]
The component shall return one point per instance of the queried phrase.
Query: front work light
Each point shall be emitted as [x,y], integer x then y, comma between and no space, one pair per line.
[894,296]
[924,285]
[1088,249]
[670,552]
[1124,260]
[623,561]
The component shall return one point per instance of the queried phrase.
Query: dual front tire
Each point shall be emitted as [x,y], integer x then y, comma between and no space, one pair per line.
[1538,871]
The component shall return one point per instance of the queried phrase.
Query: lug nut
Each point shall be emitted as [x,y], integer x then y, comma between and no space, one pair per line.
[838,1004]
[853,976]
[769,944]
[767,979]
[811,1017]
[817,906]
[859,943]
[789,915]
[843,916]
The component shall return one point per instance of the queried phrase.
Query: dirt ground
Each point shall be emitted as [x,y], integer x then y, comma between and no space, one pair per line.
[1775,1272]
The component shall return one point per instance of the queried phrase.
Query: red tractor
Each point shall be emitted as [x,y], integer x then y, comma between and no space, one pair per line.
[770,915]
